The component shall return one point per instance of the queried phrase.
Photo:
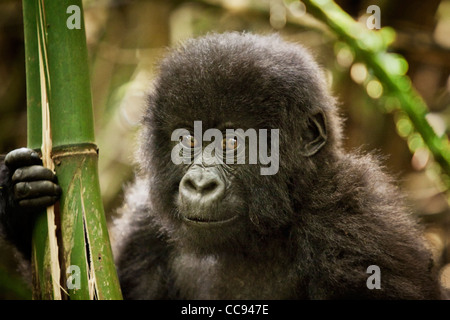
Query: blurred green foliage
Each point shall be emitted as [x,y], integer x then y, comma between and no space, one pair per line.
[127,38]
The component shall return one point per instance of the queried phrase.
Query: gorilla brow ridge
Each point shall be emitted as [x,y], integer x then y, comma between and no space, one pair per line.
[212,154]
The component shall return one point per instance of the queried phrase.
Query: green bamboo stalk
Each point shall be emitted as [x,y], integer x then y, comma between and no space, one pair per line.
[40,235]
[83,238]
[370,46]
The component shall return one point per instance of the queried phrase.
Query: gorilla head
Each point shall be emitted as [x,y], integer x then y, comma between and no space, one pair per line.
[236,81]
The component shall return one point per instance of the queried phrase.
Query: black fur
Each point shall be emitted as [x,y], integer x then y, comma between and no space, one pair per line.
[308,232]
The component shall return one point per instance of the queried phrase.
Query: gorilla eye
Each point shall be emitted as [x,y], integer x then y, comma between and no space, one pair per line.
[188,141]
[229,144]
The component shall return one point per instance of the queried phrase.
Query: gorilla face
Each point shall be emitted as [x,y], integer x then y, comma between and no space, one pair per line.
[209,199]
[216,196]
[206,189]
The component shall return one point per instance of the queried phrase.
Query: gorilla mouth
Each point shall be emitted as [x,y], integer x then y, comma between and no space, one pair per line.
[206,221]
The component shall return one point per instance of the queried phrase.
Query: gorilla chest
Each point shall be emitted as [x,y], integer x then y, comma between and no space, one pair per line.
[232,277]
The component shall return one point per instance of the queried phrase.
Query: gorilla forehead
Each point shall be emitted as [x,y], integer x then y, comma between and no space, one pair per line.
[229,76]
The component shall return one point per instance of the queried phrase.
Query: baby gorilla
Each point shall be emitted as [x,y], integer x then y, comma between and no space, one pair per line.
[204,221]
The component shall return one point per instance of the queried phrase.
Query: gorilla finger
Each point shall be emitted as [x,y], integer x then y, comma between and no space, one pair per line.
[35,189]
[22,157]
[33,173]
[38,202]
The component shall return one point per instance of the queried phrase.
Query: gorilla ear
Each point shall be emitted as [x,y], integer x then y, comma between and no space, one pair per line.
[315,135]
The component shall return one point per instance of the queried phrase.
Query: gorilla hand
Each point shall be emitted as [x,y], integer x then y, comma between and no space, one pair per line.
[34,185]
[26,187]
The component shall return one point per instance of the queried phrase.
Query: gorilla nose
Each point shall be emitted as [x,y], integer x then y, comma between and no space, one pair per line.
[202,185]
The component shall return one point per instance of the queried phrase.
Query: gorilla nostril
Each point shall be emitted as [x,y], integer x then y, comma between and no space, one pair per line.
[189,185]
[209,187]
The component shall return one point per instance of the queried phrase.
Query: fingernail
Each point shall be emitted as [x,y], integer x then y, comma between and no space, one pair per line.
[18,173]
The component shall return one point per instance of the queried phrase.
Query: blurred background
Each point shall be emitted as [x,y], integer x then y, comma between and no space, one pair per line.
[127,38]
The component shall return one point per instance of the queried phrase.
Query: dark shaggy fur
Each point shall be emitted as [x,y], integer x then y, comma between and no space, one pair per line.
[308,232]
